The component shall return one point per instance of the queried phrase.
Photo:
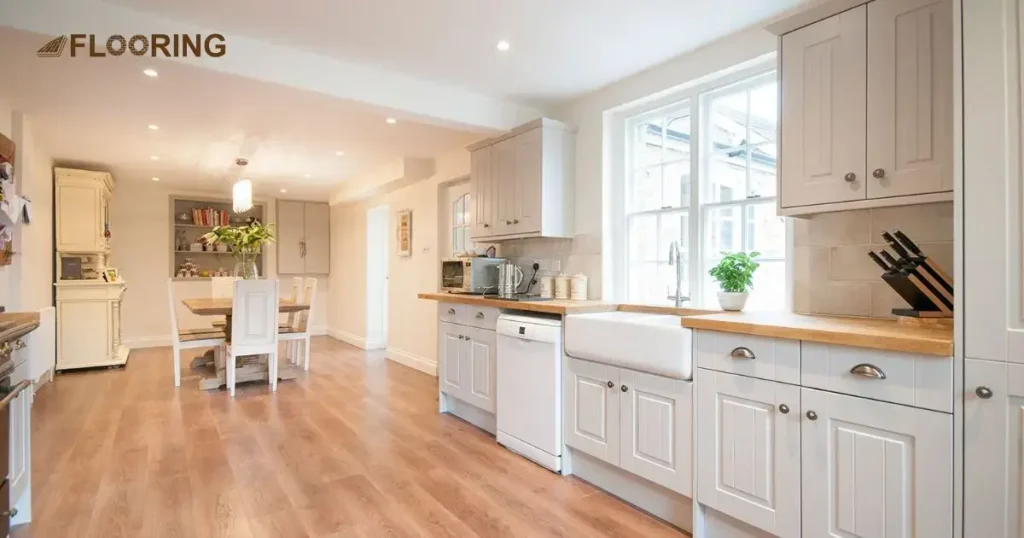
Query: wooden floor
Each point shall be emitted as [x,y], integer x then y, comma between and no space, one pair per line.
[357,448]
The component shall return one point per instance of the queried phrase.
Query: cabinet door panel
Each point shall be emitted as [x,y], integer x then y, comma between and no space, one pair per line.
[481,193]
[504,170]
[874,469]
[910,97]
[993,447]
[318,238]
[592,409]
[80,218]
[749,450]
[656,419]
[824,128]
[481,359]
[83,329]
[453,376]
[21,437]
[291,223]
[529,182]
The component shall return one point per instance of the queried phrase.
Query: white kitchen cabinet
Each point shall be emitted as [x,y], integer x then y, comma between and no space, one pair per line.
[20,457]
[82,200]
[993,446]
[909,97]
[591,409]
[874,468]
[89,324]
[479,360]
[522,183]
[453,377]
[823,124]
[303,238]
[655,413]
[867,103]
[748,450]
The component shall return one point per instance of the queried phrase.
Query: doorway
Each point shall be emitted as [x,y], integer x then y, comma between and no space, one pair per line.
[377,249]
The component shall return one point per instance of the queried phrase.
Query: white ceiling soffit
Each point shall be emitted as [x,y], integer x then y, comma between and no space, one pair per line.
[387,179]
[409,98]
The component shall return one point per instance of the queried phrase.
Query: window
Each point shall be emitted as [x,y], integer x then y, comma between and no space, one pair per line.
[460,223]
[729,208]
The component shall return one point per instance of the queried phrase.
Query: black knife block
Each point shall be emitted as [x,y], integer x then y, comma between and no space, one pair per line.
[901,284]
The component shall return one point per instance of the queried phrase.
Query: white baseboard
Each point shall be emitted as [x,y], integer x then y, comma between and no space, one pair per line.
[412,361]
[347,337]
[148,341]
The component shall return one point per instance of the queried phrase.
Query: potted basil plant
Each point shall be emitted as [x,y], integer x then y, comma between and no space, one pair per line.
[245,241]
[735,275]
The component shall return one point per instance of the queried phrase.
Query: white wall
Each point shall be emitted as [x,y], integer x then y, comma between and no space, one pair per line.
[141,250]
[412,322]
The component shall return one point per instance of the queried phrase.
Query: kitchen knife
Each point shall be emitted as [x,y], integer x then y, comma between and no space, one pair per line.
[899,281]
[924,287]
[913,264]
[925,260]
[874,257]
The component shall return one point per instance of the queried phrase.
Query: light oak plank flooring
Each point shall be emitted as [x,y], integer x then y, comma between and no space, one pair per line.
[354,448]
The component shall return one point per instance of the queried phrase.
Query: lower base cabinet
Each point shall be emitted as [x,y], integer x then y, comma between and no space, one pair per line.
[639,422]
[468,364]
[804,462]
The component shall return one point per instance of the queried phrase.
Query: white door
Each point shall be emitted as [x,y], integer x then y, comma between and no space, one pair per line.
[290,232]
[910,97]
[450,351]
[748,443]
[478,359]
[20,459]
[504,169]
[823,111]
[377,254]
[656,428]
[993,448]
[481,193]
[529,182]
[317,239]
[875,470]
[591,403]
[79,218]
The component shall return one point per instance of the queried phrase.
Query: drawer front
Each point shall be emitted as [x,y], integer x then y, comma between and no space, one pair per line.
[481,317]
[904,378]
[452,313]
[775,359]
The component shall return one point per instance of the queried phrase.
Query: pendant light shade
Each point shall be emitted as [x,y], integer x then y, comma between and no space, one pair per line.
[241,196]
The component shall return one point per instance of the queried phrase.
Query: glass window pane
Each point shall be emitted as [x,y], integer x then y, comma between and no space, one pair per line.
[726,176]
[647,143]
[722,231]
[643,238]
[645,191]
[764,113]
[677,137]
[766,233]
[763,169]
[676,184]
[466,208]
[459,238]
[457,213]
[728,121]
[644,285]
[674,227]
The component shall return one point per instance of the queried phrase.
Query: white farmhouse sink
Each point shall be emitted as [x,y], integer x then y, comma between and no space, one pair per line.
[652,343]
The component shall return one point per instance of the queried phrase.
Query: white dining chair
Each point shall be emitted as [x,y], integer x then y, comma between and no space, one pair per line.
[298,334]
[253,328]
[189,338]
[291,318]
[222,287]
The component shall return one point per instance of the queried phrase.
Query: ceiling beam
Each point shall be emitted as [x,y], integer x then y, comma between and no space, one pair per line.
[391,92]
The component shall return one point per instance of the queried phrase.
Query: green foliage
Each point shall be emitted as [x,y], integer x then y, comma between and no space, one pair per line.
[245,239]
[735,273]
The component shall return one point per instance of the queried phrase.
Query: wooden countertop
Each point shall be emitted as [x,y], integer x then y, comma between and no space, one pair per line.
[222,307]
[554,306]
[22,323]
[867,333]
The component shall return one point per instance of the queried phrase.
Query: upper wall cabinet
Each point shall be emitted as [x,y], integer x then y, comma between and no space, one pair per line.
[303,238]
[522,183]
[867,102]
[83,202]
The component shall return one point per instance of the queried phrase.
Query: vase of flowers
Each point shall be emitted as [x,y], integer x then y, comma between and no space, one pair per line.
[735,275]
[245,241]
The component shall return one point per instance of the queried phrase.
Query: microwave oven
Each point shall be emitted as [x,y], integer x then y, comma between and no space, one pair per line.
[470,275]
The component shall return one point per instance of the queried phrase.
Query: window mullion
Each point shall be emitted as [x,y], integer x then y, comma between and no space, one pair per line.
[694,262]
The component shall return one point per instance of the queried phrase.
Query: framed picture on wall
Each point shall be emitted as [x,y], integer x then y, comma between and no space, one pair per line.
[111,275]
[405,233]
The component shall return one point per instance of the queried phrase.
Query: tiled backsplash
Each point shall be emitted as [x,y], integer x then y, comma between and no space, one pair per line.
[832,273]
[579,255]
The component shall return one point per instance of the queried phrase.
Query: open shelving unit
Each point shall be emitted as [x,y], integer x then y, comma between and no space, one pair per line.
[185,227]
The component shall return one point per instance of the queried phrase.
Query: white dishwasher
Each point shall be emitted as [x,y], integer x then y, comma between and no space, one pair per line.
[529,408]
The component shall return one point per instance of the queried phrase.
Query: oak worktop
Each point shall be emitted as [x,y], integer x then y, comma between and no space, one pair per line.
[552,306]
[867,333]
[17,324]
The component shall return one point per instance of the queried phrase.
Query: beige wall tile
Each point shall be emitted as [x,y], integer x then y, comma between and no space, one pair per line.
[852,263]
[841,298]
[802,297]
[810,264]
[923,223]
[801,232]
[940,253]
[883,300]
[842,228]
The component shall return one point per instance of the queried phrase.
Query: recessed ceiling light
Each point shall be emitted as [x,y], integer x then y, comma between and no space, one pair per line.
[154,158]
[156,179]
[503,45]
[339,153]
[150,72]
[284,191]
[307,175]
[153,127]
[391,121]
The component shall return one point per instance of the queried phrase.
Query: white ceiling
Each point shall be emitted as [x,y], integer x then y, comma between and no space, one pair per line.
[559,48]
[97,112]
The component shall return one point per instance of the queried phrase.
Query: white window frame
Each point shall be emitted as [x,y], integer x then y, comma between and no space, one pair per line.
[465,200]
[619,128]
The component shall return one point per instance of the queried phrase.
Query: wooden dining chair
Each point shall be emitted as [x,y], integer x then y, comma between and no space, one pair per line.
[253,328]
[189,339]
[298,335]
[291,318]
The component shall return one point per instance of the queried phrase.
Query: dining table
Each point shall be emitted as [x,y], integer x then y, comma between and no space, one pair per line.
[211,367]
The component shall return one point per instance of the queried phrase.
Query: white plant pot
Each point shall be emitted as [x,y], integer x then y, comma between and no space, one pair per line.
[732,301]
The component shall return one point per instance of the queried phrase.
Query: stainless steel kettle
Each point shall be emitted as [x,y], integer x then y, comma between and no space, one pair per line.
[510,276]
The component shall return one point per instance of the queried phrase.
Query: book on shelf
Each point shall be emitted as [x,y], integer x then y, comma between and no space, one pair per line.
[210,217]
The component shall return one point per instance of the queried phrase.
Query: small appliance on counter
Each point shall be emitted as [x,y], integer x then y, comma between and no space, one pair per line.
[477,275]
[916,278]
[510,277]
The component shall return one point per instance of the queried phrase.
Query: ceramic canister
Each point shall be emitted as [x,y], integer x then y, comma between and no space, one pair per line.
[562,286]
[547,286]
[578,287]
